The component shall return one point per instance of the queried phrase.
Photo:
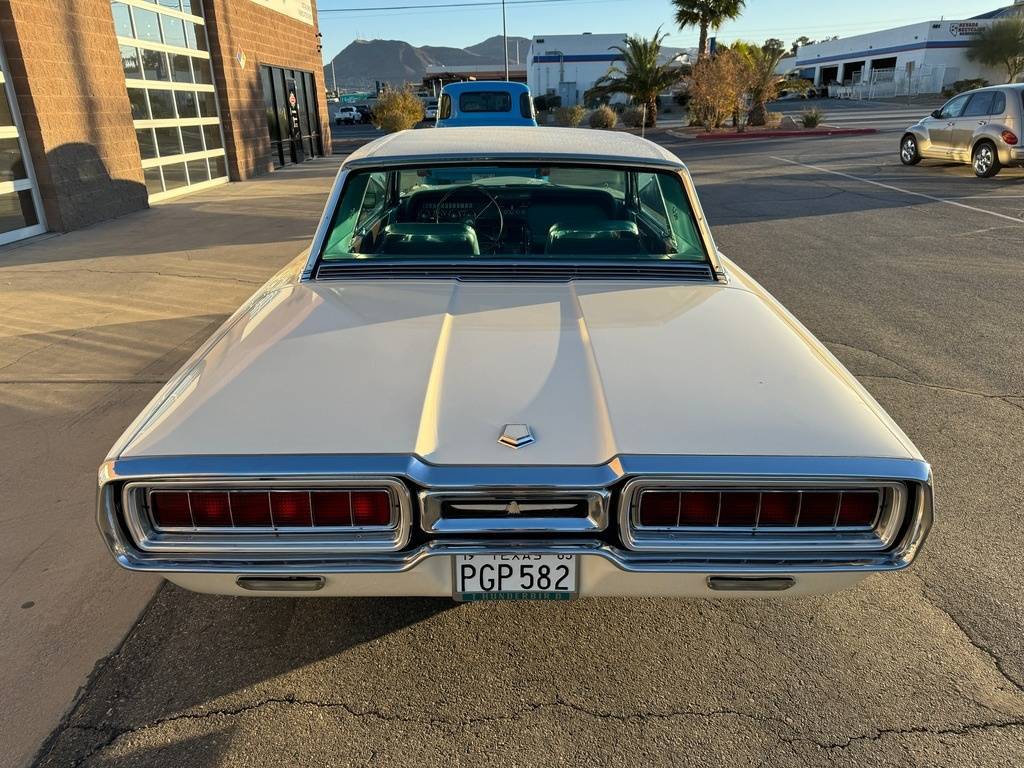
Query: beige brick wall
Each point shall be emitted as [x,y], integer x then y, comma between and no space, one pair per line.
[66,69]
[265,37]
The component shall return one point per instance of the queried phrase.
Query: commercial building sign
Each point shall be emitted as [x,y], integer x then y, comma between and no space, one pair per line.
[964,28]
[297,9]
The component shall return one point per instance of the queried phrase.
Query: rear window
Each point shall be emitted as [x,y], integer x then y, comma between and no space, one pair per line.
[514,212]
[485,101]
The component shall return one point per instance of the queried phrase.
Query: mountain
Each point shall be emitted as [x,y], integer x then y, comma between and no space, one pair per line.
[362,62]
[491,49]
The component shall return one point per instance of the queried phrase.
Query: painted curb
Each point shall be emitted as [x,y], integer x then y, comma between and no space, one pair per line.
[787,134]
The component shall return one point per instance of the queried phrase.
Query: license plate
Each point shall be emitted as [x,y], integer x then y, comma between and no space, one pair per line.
[515,577]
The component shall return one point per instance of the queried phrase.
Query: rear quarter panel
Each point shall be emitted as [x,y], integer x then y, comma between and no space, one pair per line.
[740,278]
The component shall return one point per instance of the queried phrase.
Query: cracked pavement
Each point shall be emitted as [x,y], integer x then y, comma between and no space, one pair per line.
[923,302]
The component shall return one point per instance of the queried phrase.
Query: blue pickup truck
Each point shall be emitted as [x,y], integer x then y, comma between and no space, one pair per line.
[487,102]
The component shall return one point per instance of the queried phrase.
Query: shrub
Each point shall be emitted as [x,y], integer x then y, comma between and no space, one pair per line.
[772,119]
[603,118]
[811,117]
[570,116]
[718,86]
[960,86]
[397,110]
[633,118]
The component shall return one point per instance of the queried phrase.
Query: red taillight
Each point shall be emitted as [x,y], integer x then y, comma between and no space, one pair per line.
[858,509]
[783,508]
[371,508]
[331,508]
[739,509]
[818,509]
[170,509]
[271,508]
[1009,137]
[698,508]
[210,509]
[251,509]
[659,508]
[291,509]
[779,508]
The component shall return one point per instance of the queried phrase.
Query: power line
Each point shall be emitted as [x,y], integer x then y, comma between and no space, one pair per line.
[477,4]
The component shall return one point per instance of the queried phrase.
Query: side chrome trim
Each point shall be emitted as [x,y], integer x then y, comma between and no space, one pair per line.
[432,519]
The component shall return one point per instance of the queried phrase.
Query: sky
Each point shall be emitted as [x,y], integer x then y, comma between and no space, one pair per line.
[761,19]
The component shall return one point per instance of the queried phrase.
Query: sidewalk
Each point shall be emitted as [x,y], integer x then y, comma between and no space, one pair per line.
[92,323]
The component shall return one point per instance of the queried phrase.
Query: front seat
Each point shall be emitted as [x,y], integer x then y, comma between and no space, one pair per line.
[429,240]
[601,238]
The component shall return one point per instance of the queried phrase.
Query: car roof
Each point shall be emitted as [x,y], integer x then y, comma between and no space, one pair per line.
[484,85]
[511,143]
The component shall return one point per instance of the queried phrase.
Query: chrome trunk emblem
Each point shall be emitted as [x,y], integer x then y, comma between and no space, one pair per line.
[516,435]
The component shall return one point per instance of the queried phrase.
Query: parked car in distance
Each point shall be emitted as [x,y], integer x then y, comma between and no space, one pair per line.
[512,364]
[982,127]
[430,110]
[347,115]
[485,102]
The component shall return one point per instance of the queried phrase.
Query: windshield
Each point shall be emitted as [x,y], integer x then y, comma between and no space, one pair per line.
[549,212]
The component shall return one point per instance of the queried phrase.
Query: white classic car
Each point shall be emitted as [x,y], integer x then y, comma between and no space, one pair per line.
[513,364]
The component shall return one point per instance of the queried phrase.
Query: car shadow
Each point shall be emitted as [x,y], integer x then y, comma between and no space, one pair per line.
[215,646]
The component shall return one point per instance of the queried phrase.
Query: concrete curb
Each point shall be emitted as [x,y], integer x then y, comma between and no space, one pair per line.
[787,134]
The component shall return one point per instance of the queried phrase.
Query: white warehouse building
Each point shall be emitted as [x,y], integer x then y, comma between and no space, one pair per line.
[917,58]
[569,65]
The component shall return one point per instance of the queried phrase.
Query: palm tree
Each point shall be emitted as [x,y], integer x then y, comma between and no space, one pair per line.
[641,75]
[763,83]
[1001,45]
[706,14]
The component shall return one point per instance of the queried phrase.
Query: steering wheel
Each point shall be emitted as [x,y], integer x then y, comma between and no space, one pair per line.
[483,214]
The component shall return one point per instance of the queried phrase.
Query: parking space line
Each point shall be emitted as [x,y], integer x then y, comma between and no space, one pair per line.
[897,189]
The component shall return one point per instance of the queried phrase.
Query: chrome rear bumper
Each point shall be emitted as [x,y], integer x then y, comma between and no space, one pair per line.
[426,568]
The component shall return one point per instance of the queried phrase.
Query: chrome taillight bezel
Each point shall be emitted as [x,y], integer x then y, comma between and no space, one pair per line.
[285,539]
[879,536]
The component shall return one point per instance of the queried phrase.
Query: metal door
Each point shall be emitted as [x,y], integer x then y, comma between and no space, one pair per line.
[940,124]
[976,113]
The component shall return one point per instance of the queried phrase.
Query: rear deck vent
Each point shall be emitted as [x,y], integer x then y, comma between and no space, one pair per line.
[499,272]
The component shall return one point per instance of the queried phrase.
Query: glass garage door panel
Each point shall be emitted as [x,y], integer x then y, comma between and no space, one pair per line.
[19,196]
[166,63]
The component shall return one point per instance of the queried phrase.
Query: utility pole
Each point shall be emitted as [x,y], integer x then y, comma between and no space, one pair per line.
[504,37]
[334,78]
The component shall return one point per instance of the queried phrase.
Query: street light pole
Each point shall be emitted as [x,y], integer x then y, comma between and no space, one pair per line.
[504,37]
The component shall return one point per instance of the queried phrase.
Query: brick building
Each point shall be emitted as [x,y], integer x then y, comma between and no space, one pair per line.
[110,105]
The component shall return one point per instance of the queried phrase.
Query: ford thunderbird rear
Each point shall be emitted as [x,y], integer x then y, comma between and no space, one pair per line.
[513,365]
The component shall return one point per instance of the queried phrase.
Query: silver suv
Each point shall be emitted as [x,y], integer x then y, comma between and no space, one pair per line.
[981,127]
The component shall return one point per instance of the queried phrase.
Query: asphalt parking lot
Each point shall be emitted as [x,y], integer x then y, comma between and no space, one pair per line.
[913,277]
